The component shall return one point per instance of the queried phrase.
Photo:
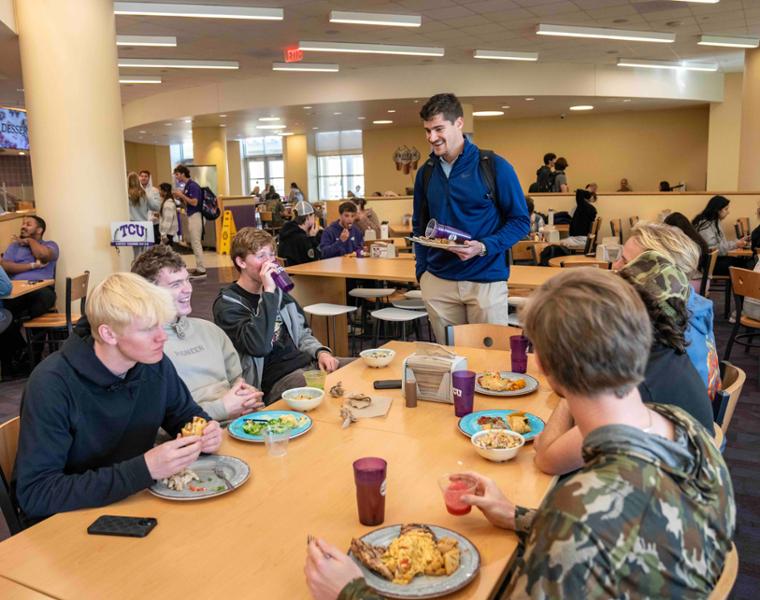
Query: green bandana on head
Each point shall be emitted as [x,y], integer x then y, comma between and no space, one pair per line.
[660,277]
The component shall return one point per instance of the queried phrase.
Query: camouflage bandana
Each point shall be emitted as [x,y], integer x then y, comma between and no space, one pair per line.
[660,277]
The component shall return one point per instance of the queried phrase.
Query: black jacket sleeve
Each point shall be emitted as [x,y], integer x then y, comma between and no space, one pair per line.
[251,330]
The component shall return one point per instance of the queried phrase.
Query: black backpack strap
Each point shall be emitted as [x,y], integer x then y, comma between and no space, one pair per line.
[488,172]
[427,173]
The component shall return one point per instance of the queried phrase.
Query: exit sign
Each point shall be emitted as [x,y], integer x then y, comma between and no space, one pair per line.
[293,55]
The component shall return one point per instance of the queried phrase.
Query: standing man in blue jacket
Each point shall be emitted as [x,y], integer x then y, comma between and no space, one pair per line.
[465,285]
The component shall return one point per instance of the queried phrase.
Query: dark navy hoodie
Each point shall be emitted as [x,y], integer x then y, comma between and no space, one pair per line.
[84,430]
[462,201]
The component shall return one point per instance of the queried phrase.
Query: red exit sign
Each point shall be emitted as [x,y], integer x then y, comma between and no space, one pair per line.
[293,55]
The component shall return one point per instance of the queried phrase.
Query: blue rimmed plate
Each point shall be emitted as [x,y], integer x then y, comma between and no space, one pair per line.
[236,430]
[469,426]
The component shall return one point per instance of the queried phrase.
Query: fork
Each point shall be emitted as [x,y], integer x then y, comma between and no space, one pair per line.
[219,472]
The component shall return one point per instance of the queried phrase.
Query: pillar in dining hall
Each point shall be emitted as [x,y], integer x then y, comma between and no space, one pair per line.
[296,163]
[749,174]
[71,89]
[210,148]
[469,121]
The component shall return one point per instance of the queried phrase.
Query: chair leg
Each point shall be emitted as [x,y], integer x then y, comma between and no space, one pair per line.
[727,309]
[374,337]
[30,349]
[731,339]
[403,331]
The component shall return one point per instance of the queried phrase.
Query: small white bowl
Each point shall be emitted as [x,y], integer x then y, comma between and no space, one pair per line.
[497,454]
[315,398]
[378,357]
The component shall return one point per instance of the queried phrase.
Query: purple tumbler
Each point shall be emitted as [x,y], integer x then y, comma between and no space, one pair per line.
[436,230]
[518,344]
[463,388]
[282,280]
[369,476]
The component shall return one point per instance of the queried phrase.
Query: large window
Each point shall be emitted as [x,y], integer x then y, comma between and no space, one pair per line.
[181,154]
[340,164]
[263,163]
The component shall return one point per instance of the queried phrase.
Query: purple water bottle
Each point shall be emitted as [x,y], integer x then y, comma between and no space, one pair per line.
[282,280]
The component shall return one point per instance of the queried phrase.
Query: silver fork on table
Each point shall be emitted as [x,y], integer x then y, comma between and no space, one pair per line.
[219,472]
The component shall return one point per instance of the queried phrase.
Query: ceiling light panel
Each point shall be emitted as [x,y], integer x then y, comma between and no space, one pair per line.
[361,18]
[139,79]
[501,55]
[582,107]
[382,122]
[160,63]
[203,11]
[271,126]
[369,48]
[146,40]
[664,64]
[487,113]
[728,42]
[306,67]
[605,34]
[269,119]
[699,1]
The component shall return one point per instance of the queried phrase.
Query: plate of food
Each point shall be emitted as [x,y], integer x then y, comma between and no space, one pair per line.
[439,243]
[526,424]
[505,383]
[250,428]
[415,561]
[209,476]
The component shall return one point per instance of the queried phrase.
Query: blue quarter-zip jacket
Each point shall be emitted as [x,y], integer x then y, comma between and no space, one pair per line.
[462,201]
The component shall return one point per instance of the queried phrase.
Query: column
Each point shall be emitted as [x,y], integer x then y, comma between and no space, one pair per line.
[235,168]
[469,122]
[210,148]
[724,138]
[68,61]
[749,174]
[296,161]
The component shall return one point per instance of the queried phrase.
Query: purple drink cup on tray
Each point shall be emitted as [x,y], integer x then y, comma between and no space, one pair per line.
[435,229]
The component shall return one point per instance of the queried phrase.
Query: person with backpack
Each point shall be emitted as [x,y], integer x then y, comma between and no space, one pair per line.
[474,191]
[192,197]
[544,176]
[560,179]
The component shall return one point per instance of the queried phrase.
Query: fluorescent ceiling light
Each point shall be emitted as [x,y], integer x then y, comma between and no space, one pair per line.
[161,63]
[506,107]
[146,40]
[391,110]
[369,48]
[204,11]
[222,116]
[501,55]
[700,1]
[139,79]
[529,99]
[271,126]
[664,64]
[582,107]
[605,34]
[487,113]
[269,118]
[306,67]
[382,122]
[728,42]
[284,133]
[362,18]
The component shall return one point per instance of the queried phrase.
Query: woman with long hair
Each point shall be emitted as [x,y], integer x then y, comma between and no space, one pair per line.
[681,221]
[707,224]
[140,203]
[168,224]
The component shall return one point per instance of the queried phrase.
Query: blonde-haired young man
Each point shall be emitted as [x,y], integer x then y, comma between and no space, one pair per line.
[91,411]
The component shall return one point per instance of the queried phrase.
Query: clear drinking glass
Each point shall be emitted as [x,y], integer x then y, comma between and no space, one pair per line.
[276,442]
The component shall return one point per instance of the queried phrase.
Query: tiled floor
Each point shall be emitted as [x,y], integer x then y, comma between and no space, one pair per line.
[742,453]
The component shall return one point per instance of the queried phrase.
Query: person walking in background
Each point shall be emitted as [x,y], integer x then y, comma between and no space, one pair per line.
[342,237]
[168,223]
[467,284]
[560,178]
[141,203]
[191,196]
[153,198]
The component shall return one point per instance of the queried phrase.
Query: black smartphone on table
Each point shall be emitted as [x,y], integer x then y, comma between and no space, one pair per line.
[387,384]
[122,526]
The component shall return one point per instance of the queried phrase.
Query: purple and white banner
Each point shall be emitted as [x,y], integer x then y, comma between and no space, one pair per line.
[132,233]
[14,132]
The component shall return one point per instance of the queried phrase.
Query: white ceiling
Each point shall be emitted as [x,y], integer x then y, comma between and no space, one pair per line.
[460,26]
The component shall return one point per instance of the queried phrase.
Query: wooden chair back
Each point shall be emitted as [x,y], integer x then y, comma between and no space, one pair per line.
[266,216]
[537,250]
[727,397]
[727,579]
[76,289]
[745,283]
[616,226]
[523,250]
[743,223]
[592,237]
[707,271]
[633,221]
[9,432]
[574,264]
[481,335]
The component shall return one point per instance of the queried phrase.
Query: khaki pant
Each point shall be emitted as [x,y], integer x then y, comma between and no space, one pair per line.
[195,231]
[459,302]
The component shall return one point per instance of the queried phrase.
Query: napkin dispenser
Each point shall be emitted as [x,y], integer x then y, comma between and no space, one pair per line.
[430,367]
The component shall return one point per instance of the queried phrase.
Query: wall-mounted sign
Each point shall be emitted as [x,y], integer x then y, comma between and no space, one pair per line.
[14,132]
[293,55]
[406,159]
[132,233]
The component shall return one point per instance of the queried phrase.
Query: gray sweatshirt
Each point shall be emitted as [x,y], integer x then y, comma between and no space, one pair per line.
[715,238]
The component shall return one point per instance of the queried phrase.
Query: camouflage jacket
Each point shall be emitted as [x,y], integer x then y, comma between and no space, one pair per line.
[644,518]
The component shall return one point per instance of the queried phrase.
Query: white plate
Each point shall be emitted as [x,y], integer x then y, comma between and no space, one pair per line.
[531,385]
[235,470]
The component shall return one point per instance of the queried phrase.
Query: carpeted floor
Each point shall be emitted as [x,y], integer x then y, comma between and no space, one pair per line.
[742,451]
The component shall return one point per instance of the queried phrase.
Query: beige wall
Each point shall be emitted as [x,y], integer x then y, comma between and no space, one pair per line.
[235,168]
[155,159]
[644,146]
[210,148]
[749,174]
[725,136]
[295,157]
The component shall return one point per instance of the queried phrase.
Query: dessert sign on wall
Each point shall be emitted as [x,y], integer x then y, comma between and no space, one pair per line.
[14,132]
[406,159]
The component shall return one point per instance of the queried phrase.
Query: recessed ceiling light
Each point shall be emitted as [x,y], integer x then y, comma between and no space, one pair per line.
[487,113]
[369,48]
[700,1]
[416,101]
[728,42]
[197,10]
[361,118]
[501,55]
[626,99]
[130,79]
[269,118]
[146,40]
[306,67]
[307,107]
[188,120]
[315,128]
[337,114]
[271,126]
[142,131]
[529,99]
[382,122]
[222,116]
[664,64]
[505,107]
[161,63]
[222,125]
[22,153]
[582,107]
[362,18]
[605,34]
[168,124]
[391,110]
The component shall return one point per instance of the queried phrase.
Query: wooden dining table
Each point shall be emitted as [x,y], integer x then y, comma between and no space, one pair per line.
[11,590]
[325,281]
[22,287]
[251,542]
[572,258]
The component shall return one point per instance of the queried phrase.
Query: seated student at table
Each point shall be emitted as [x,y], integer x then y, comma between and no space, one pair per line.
[91,411]
[366,218]
[582,220]
[299,237]
[266,325]
[342,237]
[203,355]
[674,244]
[650,515]
[708,224]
